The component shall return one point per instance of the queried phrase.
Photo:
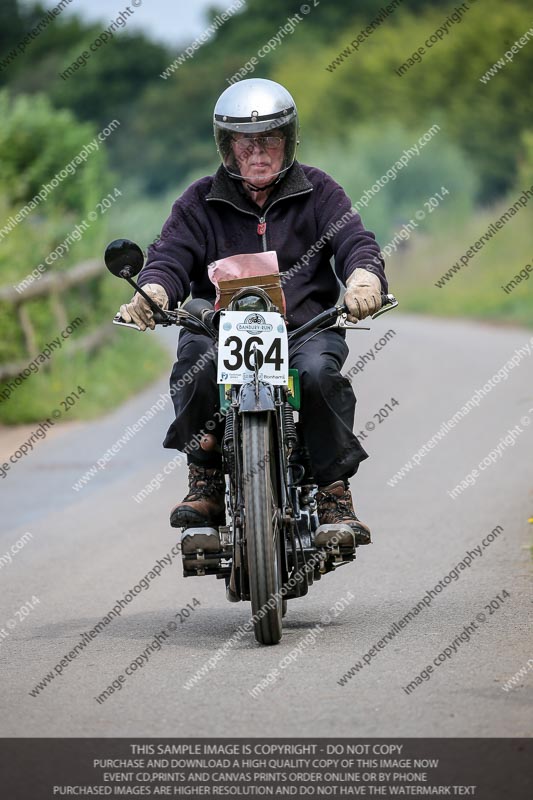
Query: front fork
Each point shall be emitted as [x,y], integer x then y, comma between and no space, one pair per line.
[248,400]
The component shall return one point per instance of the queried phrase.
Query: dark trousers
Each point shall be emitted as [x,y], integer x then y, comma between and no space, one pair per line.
[327,403]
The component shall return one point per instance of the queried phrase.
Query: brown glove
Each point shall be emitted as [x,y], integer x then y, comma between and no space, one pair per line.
[138,310]
[363,294]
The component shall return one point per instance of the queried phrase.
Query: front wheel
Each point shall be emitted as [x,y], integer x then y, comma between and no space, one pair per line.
[262,528]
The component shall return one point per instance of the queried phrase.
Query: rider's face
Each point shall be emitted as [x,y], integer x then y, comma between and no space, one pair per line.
[258,162]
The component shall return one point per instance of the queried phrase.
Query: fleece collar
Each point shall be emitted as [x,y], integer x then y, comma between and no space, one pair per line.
[230,190]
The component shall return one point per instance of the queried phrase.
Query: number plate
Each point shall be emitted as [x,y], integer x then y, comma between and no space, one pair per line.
[245,335]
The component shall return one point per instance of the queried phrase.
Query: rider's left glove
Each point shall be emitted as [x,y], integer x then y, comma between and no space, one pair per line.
[138,310]
[363,294]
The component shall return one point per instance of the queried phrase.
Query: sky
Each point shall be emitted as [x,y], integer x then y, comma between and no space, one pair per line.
[173,21]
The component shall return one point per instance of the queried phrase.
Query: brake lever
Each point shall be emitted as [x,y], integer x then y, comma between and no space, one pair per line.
[117,320]
[342,322]
[390,303]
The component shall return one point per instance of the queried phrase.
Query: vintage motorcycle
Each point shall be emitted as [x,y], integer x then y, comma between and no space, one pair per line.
[274,547]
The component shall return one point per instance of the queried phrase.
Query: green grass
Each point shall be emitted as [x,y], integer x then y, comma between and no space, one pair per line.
[109,377]
[475,292]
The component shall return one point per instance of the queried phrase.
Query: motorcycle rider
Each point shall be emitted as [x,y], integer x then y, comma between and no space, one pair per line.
[261,198]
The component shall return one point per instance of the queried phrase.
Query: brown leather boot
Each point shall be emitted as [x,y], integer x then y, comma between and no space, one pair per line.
[204,504]
[335,507]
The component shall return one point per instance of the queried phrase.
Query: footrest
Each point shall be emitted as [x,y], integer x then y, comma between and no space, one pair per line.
[200,550]
[334,535]
[205,539]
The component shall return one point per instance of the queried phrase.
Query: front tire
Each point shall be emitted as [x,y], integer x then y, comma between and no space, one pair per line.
[262,527]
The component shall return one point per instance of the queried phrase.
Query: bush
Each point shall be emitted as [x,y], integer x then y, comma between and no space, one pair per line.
[36,142]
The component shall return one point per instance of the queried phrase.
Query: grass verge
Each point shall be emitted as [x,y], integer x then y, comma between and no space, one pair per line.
[476,291]
[109,377]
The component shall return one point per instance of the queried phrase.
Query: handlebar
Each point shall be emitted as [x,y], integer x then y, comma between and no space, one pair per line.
[178,317]
[204,326]
[323,320]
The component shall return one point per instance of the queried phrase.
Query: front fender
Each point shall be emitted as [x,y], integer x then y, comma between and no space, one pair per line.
[249,403]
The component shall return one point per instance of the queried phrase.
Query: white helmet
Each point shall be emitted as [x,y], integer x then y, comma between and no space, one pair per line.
[246,109]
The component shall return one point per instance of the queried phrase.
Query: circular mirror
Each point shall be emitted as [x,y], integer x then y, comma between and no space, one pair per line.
[121,254]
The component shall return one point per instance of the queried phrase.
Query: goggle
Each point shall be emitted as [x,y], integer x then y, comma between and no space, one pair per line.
[268,142]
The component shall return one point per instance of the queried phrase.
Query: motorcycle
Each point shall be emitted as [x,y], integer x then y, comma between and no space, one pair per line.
[273,548]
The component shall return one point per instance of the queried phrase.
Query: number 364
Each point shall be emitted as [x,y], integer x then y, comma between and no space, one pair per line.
[250,351]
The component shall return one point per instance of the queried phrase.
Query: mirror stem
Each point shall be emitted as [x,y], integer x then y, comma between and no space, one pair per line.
[159,312]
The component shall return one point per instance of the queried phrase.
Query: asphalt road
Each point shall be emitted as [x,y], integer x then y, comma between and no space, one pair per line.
[89,547]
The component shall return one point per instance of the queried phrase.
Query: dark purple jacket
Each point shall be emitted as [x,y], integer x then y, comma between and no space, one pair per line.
[214,218]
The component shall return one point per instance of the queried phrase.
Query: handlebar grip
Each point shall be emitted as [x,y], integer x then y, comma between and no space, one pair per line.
[386,300]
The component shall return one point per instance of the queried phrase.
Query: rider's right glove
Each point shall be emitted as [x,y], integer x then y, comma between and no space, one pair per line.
[138,310]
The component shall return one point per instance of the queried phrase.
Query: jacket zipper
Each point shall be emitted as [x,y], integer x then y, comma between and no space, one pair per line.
[261,219]
[262,232]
